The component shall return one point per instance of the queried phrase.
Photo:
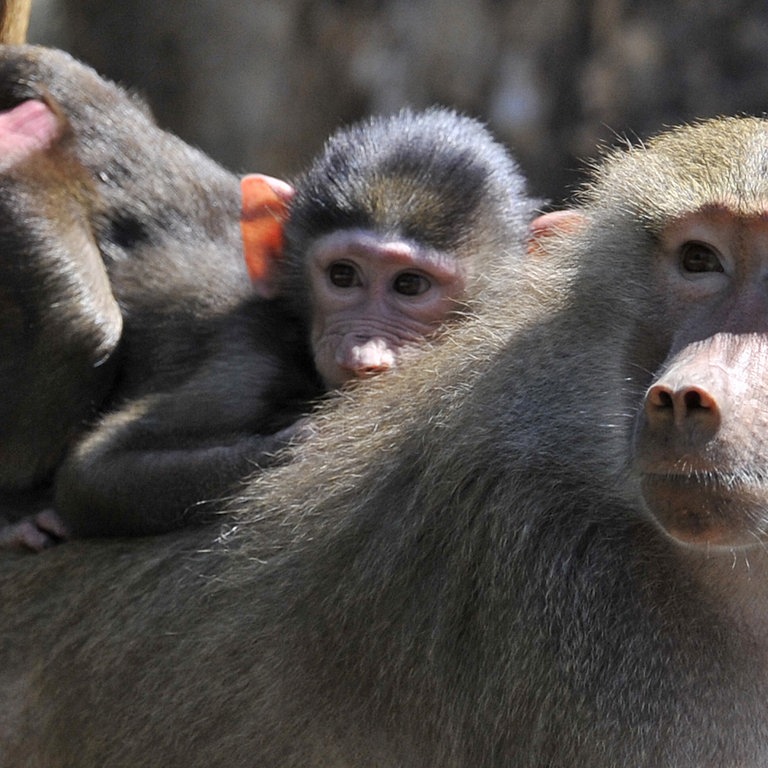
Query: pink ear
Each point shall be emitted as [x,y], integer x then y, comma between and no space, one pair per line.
[553,223]
[25,129]
[265,202]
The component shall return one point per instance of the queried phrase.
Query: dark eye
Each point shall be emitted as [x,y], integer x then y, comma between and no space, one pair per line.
[699,257]
[343,275]
[127,232]
[411,284]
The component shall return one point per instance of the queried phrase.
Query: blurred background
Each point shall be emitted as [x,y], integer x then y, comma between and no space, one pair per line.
[259,84]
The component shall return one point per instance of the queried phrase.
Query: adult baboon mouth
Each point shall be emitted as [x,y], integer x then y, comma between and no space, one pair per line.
[708,509]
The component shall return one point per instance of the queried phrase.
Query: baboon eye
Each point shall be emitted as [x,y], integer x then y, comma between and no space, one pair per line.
[411,284]
[343,275]
[699,257]
[127,231]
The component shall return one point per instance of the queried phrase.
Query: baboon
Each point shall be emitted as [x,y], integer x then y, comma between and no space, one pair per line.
[396,227]
[543,547]
[108,227]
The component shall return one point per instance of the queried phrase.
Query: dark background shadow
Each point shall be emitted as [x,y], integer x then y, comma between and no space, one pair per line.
[258,84]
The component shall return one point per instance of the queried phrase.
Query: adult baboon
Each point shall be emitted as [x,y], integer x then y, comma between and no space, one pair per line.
[546,547]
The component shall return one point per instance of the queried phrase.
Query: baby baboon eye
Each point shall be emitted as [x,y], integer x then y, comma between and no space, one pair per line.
[343,275]
[411,284]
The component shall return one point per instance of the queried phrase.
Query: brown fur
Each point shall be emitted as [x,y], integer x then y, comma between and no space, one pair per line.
[458,570]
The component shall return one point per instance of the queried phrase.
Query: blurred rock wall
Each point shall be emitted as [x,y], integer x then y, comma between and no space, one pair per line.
[258,84]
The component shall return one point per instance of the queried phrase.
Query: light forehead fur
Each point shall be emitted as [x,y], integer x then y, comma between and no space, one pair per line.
[720,163]
[393,198]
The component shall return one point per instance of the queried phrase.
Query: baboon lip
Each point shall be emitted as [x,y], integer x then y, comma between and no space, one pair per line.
[708,508]
[714,478]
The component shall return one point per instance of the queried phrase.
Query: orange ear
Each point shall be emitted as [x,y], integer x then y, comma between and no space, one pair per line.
[553,223]
[265,202]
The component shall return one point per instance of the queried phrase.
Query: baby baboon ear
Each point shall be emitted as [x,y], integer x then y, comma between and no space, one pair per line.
[552,224]
[265,203]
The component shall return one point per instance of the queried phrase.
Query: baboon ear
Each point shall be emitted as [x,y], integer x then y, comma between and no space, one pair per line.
[553,223]
[264,208]
[29,127]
